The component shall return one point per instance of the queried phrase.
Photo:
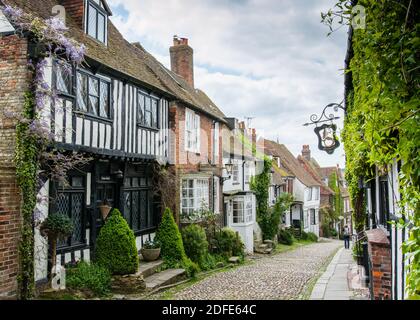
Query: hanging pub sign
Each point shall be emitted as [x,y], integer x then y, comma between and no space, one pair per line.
[327,138]
[326,133]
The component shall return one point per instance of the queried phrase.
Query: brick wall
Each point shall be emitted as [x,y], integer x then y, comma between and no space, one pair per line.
[380,258]
[75,9]
[186,162]
[14,82]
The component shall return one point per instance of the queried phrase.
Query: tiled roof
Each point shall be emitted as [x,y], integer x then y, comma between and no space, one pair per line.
[127,59]
[289,162]
[308,166]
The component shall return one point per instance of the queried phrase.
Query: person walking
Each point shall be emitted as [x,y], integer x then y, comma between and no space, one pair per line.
[346,234]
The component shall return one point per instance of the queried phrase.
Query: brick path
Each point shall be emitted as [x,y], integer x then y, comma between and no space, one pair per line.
[280,276]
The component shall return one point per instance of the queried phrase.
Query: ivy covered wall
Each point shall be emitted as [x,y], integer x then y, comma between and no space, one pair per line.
[383,119]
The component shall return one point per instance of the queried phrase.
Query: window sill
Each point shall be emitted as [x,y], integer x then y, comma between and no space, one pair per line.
[92,116]
[139,125]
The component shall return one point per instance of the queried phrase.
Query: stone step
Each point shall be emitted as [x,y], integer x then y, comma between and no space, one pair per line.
[147,268]
[263,246]
[234,260]
[264,250]
[164,278]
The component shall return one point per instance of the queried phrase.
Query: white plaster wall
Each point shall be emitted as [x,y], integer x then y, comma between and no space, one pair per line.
[41,243]
[5,26]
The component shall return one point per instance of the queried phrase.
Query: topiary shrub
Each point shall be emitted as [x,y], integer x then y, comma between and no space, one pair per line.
[85,276]
[172,247]
[285,236]
[228,243]
[312,237]
[56,226]
[116,246]
[326,230]
[195,243]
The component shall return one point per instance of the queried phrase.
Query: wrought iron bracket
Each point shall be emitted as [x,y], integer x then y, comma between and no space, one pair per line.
[324,117]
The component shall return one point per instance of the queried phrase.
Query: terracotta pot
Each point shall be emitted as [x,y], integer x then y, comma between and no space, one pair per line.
[150,254]
[104,209]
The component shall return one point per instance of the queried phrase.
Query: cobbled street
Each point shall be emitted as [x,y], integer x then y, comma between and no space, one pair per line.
[280,276]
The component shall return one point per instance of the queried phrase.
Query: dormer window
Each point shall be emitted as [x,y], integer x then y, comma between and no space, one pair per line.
[97,19]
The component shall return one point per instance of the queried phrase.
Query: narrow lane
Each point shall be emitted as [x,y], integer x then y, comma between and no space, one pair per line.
[281,276]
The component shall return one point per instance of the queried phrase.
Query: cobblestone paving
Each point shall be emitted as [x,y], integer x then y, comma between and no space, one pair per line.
[280,276]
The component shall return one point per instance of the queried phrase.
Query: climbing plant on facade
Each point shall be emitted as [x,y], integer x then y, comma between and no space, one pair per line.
[34,140]
[382,125]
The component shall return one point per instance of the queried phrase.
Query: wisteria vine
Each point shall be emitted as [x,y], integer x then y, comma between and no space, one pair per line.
[36,158]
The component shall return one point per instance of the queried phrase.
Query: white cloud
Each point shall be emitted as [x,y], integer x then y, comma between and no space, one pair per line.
[266,59]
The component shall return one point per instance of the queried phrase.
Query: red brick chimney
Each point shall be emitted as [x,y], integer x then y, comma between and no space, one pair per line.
[306,152]
[74,9]
[182,59]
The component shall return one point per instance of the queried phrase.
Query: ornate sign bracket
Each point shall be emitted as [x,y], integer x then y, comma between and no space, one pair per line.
[326,133]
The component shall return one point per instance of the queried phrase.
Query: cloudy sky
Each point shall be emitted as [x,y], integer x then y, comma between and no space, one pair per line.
[266,59]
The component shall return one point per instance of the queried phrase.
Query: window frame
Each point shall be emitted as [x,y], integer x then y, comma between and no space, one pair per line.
[196,197]
[235,173]
[192,131]
[56,189]
[101,80]
[312,216]
[141,110]
[99,11]
[245,214]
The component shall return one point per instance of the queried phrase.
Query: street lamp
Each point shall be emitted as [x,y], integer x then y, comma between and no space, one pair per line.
[229,168]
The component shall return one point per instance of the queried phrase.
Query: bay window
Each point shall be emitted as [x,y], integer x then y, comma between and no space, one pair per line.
[242,209]
[194,196]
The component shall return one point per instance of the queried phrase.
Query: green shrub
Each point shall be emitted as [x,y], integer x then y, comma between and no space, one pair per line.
[312,237]
[228,243]
[91,277]
[57,225]
[116,246]
[333,232]
[172,247]
[304,235]
[285,236]
[195,243]
[326,231]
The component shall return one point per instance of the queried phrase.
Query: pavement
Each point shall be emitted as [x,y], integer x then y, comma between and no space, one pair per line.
[341,280]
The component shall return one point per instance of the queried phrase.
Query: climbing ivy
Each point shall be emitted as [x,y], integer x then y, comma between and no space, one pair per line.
[338,203]
[27,165]
[382,124]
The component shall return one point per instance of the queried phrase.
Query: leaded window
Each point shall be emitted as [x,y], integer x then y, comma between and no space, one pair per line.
[63,77]
[70,201]
[97,19]
[138,203]
[93,95]
[147,110]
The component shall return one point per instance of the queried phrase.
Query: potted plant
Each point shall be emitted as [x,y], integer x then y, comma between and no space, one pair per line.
[56,226]
[150,250]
